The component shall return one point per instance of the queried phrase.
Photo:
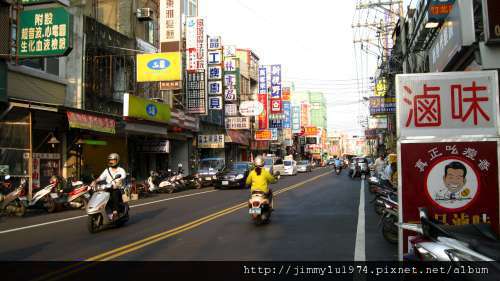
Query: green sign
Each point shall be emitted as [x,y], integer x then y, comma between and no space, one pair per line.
[95,142]
[45,32]
[145,109]
[3,81]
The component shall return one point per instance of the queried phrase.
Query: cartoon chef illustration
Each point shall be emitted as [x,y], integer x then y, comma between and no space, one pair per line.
[454,190]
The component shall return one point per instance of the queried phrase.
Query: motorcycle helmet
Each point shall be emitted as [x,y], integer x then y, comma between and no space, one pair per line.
[393,158]
[54,180]
[259,161]
[113,160]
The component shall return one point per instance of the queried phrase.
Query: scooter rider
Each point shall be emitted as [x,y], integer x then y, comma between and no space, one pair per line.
[260,178]
[6,186]
[108,175]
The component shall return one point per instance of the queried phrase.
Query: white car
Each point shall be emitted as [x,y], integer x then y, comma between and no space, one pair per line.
[290,167]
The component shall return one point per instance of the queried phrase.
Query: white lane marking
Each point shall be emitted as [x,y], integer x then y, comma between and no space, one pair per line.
[84,216]
[359,250]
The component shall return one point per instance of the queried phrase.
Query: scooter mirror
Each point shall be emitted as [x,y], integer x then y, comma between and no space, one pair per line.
[118,176]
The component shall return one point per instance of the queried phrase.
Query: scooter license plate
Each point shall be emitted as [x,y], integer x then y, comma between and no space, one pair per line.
[225,182]
[54,195]
[255,211]
[208,178]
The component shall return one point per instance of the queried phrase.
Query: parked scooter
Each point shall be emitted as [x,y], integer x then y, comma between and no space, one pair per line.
[259,208]
[437,242]
[10,203]
[75,197]
[44,198]
[389,219]
[99,213]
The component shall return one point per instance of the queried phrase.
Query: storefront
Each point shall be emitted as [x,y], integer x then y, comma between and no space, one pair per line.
[237,146]
[92,137]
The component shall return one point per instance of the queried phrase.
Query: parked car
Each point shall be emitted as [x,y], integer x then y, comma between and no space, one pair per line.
[290,167]
[304,166]
[233,176]
[274,165]
[208,169]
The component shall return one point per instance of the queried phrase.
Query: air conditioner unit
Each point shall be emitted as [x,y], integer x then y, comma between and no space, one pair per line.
[144,14]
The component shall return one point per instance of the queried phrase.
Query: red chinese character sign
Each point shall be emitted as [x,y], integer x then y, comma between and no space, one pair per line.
[456,181]
[448,104]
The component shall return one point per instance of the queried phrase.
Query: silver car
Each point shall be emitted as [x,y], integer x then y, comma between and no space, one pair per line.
[304,166]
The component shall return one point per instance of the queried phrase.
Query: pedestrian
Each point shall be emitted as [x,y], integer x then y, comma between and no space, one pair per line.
[380,164]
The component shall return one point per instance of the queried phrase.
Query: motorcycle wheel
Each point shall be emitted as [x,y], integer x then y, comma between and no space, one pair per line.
[21,211]
[379,209]
[171,190]
[85,201]
[389,231]
[50,204]
[92,223]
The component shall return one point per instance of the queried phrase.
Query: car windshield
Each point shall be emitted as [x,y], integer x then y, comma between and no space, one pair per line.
[268,162]
[239,167]
[212,163]
[361,160]
[303,163]
[288,163]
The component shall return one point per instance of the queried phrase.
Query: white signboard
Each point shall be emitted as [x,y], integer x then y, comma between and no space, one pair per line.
[231,109]
[251,108]
[447,104]
[170,21]
[377,122]
[214,57]
[215,72]
[210,141]
[214,43]
[215,103]
[229,51]
[215,88]
[238,123]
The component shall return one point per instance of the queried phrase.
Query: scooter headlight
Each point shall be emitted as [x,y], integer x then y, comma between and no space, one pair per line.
[457,255]
[214,177]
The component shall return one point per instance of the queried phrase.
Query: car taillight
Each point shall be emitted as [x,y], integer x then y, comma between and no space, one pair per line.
[255,204]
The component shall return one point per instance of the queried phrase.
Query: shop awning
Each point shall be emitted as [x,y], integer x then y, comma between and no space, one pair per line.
[137,128]
[91,122]
[238,137]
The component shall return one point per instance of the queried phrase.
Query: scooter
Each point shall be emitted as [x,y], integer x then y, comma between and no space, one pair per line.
[338,169]
[259,208]
[44,198]
[389,219]
[467,243]
[77,198]
[99,213]
[169,183]
[11,204]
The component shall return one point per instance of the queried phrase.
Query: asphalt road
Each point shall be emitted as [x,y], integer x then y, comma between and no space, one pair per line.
[316,219]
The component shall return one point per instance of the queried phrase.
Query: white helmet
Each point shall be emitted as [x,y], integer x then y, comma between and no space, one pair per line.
[259,161]
[114,156]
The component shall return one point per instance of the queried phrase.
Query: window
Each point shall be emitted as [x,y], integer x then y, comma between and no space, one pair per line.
[150,32]
[49,65]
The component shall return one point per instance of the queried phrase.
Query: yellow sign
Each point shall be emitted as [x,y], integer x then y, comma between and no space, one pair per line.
[145,109]
[381,88]
[159,67]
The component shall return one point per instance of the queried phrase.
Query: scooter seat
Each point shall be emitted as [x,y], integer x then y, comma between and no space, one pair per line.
[480,237]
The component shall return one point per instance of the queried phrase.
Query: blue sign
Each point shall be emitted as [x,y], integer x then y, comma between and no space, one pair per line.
[262,80]
[158,64]
[276,81]
[287,108]
[151,110]
[277,124]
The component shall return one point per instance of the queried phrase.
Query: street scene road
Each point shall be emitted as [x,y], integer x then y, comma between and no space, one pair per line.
[316,218]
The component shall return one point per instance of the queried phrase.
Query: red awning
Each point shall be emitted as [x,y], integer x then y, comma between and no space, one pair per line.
[238,137]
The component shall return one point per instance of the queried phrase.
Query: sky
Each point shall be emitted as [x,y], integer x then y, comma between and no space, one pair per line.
[313,40]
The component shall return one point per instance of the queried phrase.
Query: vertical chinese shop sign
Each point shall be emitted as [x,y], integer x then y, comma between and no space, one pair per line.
[45,32]
[448,149]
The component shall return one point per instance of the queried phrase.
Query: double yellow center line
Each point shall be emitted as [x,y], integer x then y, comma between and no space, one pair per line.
[115,253]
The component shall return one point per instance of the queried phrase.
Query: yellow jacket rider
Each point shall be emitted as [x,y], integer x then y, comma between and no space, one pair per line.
[260,178]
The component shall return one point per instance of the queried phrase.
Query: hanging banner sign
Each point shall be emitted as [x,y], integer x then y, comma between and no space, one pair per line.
[311,131]
[196,93]
[262,135]
[231,85]
[276,81]
[45,32]
[262,80]
[140,108]
[263,117]
[304,114]
[215,103]
[196,44]
[287,110]
[286,94]
[456,181]
[296,119]
[276,106]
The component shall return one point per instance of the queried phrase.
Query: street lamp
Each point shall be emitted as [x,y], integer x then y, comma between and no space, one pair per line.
[53,141]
